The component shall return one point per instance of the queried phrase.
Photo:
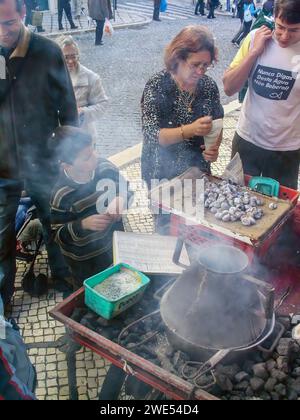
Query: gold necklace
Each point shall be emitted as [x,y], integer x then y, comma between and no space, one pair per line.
[187,99]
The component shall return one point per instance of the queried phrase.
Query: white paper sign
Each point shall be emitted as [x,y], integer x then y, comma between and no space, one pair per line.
[152,254]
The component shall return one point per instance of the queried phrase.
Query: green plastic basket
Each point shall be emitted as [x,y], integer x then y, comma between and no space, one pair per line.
[104,307]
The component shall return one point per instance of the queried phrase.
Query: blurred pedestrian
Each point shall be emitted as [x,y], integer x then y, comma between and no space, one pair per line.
[31,5]
[99,10]
[200,6]
[64,5]
[249,14]
[212,5]
[156,10]
[88,88]
[36,96]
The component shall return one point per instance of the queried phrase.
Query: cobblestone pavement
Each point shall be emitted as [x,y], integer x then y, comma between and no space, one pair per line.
[41,333]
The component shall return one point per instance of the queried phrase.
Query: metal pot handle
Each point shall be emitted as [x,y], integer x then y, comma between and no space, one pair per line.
[177,253]
[269,293]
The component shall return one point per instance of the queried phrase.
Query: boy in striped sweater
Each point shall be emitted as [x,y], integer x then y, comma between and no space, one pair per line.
[87,204]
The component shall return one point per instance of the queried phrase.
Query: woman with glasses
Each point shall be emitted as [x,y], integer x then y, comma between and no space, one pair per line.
[179,105]
[88,88]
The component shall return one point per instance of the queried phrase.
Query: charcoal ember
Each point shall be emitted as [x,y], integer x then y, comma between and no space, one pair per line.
[247,366]
[285,347]
[249,392]
[241,376]
[260,371]
[283,364]
[165,363]
[295,320]
[270,384]
[279,375]
[231,370]
[102,322]
[296,372]
[257,384]
[148,325]
[86,323]
[224,382]
[204,380]
[270,365]
[294,385]
[292,395]
[265,396]
[242,386]
[275,396]
[280,389]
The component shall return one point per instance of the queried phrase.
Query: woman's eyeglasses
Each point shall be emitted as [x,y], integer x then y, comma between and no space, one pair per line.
[71,57]
[202,66]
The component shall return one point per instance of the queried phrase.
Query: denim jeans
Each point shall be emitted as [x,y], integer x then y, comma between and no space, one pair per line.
[10,193]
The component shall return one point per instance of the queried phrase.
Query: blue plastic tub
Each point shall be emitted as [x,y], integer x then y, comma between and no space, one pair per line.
[110,309]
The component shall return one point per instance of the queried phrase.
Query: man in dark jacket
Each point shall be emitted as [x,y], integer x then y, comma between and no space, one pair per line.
[36,96]
[99,10]
[64,5]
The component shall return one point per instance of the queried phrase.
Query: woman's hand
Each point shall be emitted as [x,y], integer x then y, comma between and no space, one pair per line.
[115,209]
[201,127]
[211,154]
[97,222]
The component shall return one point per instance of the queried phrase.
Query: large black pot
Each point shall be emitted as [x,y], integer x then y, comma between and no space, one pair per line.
[214,306]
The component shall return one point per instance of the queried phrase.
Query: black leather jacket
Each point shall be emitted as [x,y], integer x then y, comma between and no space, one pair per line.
[36,96]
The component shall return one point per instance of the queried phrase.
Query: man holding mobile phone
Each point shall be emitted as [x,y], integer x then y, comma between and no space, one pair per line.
[268,132]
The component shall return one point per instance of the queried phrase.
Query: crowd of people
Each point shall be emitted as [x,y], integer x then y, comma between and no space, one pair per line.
[49,101]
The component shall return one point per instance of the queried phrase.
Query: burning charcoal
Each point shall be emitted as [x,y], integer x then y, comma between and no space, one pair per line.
[275,396]
[224,382]
[257,384]
[242,386]
[248,365]
[130,346]
[296,372]
[169,351]
[295,320]
[284,347]
[231,370]
[283,364]
[241,376]
[107,333]
[260,371]
[270,365]
[280,376]
[270,384]
[296,333]
[249,392]
[280,389]
[292,395]
[265,396]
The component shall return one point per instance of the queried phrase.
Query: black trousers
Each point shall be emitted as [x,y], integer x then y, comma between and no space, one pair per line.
[282,166]
[156,10]
[200,7]
[99,31]
[243,32]
[211,13]
[10,193]
[64,5]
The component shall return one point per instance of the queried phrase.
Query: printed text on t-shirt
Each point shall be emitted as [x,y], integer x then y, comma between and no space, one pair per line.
[273,84]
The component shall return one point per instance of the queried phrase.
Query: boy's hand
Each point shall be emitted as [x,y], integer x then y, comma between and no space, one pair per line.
[262,36]
[97,222]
